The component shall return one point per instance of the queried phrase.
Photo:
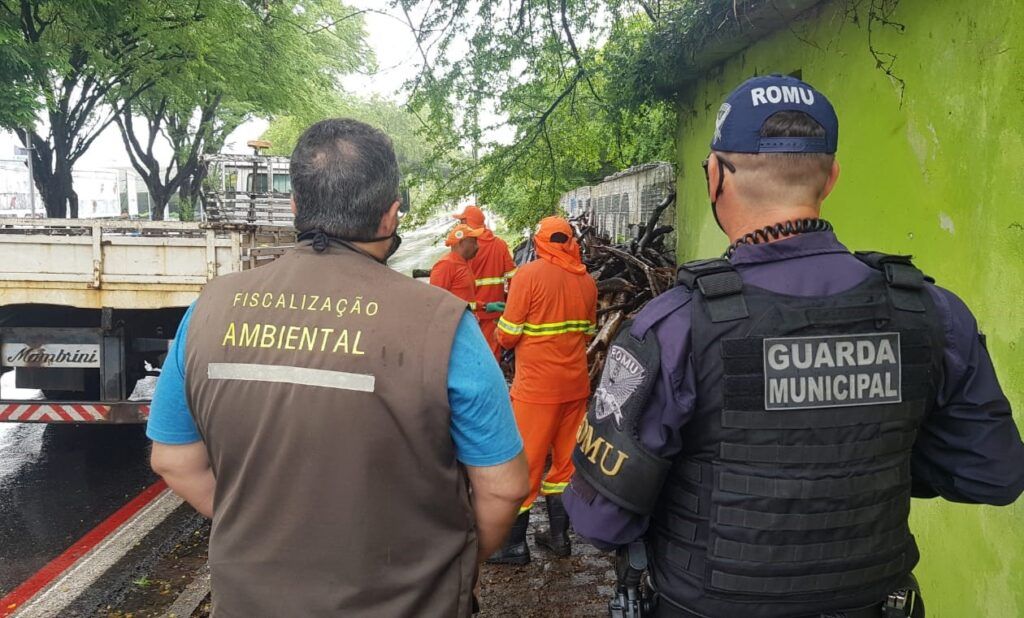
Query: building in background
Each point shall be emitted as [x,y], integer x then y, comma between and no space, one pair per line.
[102,193]
[622,202]
[14,190]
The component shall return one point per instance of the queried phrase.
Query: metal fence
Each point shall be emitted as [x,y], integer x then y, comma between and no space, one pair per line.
[622,202]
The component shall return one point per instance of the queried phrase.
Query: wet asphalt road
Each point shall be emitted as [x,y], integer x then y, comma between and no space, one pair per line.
[57,482]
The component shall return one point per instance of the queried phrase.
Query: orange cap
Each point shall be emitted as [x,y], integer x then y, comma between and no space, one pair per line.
[552,225]
[471,216]
[459,232]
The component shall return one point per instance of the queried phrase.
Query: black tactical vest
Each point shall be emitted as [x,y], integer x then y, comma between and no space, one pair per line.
[792,492]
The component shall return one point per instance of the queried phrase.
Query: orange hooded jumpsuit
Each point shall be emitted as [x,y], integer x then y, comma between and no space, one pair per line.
[550,317]
[493,266]
[453,273]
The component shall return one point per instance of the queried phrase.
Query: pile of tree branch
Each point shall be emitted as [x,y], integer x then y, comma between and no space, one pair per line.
[628,275]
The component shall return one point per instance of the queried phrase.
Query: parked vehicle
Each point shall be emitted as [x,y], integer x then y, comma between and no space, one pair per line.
[88,308]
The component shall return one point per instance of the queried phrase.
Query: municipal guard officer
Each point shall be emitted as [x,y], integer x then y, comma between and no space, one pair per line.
[326,412]
[763,425]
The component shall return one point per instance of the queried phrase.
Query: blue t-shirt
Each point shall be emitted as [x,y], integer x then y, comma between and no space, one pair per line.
[483,428]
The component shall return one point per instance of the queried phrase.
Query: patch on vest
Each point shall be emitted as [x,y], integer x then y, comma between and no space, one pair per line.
[832,371]
[622,375]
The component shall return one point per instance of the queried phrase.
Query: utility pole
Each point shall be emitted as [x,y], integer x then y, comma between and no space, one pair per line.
[31,180]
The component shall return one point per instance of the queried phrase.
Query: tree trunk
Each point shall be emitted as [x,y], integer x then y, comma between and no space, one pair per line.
[156,210]
[55,187]
[72,201]
[189,192]
[47,178]
[49,191]
[159,197]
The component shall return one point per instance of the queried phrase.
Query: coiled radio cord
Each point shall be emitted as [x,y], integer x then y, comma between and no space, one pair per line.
[780,230]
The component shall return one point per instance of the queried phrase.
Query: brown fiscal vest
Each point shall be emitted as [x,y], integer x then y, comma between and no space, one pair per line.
[319,385]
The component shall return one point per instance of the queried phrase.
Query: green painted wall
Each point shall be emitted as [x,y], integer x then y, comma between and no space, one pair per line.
[940,176]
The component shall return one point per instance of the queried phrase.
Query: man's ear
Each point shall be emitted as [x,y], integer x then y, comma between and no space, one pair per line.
[833,178]
[714,172]
[389,223]
[293,206]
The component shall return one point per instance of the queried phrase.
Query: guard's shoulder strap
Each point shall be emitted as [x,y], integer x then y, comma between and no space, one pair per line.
[660,308]
[904,280]
[719,284]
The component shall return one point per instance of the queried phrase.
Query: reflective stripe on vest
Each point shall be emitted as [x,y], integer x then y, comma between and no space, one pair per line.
[490,281]
[550,328]
[510,327]
[547,488]
[496,280]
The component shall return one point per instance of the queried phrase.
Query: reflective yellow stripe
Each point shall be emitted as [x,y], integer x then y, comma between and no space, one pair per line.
[472,306]
[510,327]
[557,328]
[490,281]
[546,329]
[552,488]
[509,274]
[523,509]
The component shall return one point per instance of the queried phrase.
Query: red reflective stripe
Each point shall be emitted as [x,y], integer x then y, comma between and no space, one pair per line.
[61,413]
[29,412]
[85,413]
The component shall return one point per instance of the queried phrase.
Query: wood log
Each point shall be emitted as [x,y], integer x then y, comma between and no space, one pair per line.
[606,334]
[656,288]
[615,284]
[646,236]
[627,275]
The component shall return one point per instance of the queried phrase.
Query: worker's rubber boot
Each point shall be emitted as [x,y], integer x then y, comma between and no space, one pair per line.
[556,537]
[515,551]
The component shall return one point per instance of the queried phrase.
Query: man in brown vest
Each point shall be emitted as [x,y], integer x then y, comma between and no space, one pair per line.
[327,412]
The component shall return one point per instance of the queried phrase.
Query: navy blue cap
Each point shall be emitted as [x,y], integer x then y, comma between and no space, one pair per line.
[739,122]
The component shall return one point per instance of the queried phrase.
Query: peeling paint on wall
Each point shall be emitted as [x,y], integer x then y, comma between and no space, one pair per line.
[946,223]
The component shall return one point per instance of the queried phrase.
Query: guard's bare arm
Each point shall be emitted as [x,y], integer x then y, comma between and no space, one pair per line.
[186,469]
[498,492]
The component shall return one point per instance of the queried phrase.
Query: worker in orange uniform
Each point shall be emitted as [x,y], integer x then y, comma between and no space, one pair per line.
[452,272]
[550,316]
[493,266]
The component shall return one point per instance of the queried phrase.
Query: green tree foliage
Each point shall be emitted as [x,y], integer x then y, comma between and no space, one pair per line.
[247,59]
[563,73]
[412,150]
[419,167]
[191,69]
[18,105]
[74,57]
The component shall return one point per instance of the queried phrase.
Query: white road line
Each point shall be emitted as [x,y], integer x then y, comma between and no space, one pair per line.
[191,597]
[51,600]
